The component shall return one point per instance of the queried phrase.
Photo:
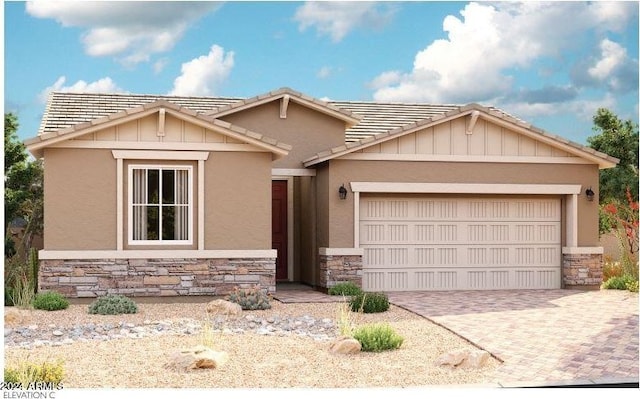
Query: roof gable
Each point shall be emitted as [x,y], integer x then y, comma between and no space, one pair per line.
[465,133]
[285,95]
[163,109]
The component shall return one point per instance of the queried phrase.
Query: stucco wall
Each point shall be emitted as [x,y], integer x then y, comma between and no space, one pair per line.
[340,227]
[308,131]
[238,200]
[80,199]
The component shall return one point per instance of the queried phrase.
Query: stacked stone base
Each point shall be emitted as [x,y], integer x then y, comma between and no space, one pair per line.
[155,277]
[582,271]
[336,269]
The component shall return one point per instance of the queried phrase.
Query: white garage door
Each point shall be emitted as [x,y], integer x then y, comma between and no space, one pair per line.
[428,243]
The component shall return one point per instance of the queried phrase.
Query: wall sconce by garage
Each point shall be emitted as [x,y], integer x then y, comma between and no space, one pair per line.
[342,192]
[590,194]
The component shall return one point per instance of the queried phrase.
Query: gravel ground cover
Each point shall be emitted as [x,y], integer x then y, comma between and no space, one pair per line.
[256,360]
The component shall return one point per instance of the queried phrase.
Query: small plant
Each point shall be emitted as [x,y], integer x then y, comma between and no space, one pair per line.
[370,302]
[347,288]
[250,299]
[346,322]
[632,286]
[22,293]
[378,337]
[618,282]
[207,335]
[50,300]
[113,304]
[28,372]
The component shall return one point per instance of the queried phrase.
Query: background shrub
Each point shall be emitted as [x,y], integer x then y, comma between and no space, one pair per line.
[250,299]
[113,304]
[618,282]
[50,300]
[346,288]
[27,372]
[370,302]
[611,269]
[632,286]
[377,337]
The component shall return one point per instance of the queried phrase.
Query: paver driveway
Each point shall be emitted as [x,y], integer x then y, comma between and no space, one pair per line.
[544,337]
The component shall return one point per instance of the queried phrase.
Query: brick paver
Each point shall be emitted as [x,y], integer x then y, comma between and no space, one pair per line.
[542,336]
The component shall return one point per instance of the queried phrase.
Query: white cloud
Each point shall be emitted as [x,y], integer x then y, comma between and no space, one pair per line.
[324,72]
[203,75]
[104,85]
[613,55]
[159,65]
[130,31]
[488,42]
[337,18]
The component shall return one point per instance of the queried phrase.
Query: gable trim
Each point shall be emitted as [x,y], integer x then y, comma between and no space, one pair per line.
[35,145]
[592,156]
[462,158]
[287,95]
[464,188]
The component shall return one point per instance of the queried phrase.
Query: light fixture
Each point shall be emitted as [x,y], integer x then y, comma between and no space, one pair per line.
[590,194]
[342,192]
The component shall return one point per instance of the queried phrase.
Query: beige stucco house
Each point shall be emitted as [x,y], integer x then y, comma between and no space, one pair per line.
[162,195]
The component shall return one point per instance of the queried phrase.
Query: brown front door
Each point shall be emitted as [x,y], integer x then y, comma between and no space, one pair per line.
[279,226]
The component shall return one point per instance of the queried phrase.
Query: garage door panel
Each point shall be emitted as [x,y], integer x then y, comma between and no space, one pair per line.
[462,243]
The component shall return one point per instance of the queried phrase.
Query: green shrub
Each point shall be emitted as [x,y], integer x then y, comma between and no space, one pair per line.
[8,296]
[113,304]
[618,282]
[50,300]
[632,286]
[28,372]
[250,299]
[370,302]
[377,337]
[347,288]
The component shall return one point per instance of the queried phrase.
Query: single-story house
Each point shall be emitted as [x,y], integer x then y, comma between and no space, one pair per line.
[165,195]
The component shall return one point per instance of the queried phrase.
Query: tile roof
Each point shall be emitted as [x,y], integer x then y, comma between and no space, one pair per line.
[373,120]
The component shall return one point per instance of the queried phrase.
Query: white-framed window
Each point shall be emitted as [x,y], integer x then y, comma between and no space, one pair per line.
[160,205]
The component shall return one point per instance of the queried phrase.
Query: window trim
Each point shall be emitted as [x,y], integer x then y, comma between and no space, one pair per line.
[159,242]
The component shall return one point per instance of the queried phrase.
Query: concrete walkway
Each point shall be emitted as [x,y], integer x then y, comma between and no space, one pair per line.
[544,337]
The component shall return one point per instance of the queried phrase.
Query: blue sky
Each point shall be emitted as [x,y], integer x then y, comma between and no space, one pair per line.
[551,64]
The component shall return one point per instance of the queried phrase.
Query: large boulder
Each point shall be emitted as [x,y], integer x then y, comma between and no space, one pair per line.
[464,358]
[198,357]
[222,307]
[345,345]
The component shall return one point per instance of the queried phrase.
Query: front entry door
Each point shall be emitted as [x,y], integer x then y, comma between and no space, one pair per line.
[279,227]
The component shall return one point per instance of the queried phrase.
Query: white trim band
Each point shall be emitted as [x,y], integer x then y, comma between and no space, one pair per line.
[582,250]
[341,251]
[293,172]
[161,155]
[464,188]
[160,254]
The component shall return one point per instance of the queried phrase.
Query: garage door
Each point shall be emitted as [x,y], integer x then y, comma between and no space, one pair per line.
[428,243]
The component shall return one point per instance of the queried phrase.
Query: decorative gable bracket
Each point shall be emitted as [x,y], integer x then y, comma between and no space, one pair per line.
[161,117]
[472,121]
[284,105]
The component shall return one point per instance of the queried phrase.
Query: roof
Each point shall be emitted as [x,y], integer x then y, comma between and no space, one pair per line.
[366,122]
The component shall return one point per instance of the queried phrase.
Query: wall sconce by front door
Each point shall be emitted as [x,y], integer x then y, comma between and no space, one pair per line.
[342,192]
[590,194]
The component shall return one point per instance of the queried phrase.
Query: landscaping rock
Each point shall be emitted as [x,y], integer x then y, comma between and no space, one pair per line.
[464,358]
[198,357]
[345,345]
[222,307]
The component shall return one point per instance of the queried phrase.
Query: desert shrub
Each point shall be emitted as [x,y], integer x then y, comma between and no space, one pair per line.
[250,299]
[8,296]
[377,337]
[346,321]
[19,282]
[113,304]
[346,288]
[50,300]
[28,372]
[618,282]
[632,286]
[370,302]
[610,269]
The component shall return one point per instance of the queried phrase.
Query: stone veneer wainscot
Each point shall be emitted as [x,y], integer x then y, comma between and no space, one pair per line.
[582,268]
[155,277]
[340,265]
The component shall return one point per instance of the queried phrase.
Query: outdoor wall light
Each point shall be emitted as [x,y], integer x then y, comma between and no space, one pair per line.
[342,192]
[590,194]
